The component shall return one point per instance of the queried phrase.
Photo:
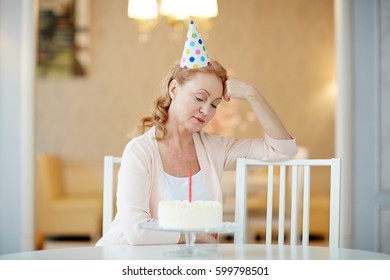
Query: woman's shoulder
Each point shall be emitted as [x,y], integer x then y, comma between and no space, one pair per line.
[141,143]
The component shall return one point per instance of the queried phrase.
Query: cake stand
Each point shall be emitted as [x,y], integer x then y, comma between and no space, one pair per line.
[190,250]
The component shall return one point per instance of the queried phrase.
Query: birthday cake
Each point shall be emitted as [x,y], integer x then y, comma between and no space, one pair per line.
[176,214]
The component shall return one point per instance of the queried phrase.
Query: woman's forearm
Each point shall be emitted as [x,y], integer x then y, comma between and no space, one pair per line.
[267,117]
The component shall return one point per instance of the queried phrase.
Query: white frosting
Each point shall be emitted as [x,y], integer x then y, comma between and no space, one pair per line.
[176,214]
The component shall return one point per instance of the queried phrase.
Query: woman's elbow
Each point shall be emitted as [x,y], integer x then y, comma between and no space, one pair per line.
[291,152]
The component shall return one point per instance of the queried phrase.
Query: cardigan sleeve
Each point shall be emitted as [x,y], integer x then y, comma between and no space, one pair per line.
[266,148]
[133,197]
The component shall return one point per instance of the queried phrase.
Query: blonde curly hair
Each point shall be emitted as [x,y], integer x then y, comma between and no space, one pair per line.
[159,114]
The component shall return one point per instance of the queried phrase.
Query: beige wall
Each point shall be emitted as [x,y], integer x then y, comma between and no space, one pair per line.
[285,48]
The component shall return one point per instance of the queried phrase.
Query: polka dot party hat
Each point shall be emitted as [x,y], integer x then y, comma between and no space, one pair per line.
[194,54]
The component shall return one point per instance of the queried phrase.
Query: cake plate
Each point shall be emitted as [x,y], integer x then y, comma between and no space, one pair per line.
[190,250]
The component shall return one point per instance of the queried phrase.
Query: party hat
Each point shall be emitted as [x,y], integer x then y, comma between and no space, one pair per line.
[195,54]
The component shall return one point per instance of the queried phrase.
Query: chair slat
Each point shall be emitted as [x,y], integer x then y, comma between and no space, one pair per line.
[240,208]
[294,205]
[108,190]
[282,203]
[306,206]
[270,192]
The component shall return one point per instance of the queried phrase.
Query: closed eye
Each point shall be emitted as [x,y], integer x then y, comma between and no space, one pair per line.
[216,103]
[199,99]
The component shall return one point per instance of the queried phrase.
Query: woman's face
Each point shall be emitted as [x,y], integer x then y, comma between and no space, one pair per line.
[195,102]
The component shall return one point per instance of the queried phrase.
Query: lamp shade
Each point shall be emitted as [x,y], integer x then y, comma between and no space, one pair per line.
[183,9]
[203,8]
[142,9]
[178,9]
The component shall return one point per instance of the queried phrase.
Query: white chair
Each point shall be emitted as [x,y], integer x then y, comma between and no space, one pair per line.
[257,182]
[295,165]
[108,190]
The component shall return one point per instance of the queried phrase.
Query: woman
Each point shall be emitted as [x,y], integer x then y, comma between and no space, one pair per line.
[155,165]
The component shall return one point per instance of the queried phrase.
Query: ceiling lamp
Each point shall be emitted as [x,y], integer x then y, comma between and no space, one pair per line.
[147,13]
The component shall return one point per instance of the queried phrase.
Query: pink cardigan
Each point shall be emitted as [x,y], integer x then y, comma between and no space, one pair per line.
[141,179]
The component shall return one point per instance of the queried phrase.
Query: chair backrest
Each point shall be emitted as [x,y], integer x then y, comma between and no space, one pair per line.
[295,165]
[108,190]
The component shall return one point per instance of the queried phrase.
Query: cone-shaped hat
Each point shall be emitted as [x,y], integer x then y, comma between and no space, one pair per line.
[195,54]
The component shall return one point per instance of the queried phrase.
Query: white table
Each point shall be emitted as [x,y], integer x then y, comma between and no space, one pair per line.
[222,252]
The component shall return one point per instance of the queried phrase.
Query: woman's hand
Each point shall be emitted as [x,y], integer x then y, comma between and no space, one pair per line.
[205,238]
[235,88]
[272,125]
[200,238]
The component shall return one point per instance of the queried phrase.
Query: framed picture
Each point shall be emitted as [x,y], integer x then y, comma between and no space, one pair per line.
[64,38]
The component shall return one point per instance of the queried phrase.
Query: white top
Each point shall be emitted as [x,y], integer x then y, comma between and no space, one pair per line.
[177,188]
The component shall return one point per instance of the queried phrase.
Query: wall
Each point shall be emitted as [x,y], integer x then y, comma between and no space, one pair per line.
[17,48]
[385,92]
[385,122]
[285,48]
[383,243]
[370,127]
